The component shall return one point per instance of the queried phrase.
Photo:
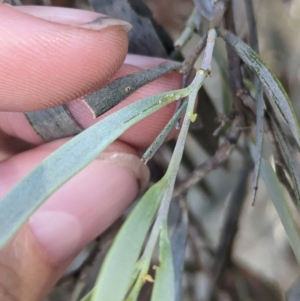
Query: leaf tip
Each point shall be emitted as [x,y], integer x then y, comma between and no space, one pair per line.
[254,193]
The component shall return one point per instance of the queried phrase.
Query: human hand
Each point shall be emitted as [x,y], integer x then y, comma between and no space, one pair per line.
[53,56]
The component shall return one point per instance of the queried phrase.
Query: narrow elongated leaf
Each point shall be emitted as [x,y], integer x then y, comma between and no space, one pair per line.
[282,207]
[118,270]
[113,93]
[159,140]
[289,158]
[17,206]
[164,288]
[259,139]
[271,84]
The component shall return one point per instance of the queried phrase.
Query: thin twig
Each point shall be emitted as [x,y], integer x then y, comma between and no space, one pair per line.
[236,84]
[159,140]
[188,66]
[213,162]
[198,263]
[190,61]
[253,40]
[171,173]
[187,69]
[234,63]
[230,226]
[176,158]
[247,99]
[199,230]
[192,24]
[195,250]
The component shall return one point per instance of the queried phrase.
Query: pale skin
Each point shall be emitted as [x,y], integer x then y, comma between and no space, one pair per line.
[49,62]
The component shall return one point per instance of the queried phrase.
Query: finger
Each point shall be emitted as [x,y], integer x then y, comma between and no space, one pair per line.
[50,56]
[140,135]
[77,213]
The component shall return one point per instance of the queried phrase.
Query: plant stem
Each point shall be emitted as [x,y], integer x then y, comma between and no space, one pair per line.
[171,173]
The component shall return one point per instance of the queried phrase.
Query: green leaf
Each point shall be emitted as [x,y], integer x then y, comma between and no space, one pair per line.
[17,206]
[282,207]
[159,140]
[164,283]
[270,82]
[119,269]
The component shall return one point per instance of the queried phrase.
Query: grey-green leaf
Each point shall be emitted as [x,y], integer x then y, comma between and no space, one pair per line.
[164,283]
[118,270]
[17,206]
[113,93]
[275,191]
[271,84]
[54,123]
[159,140]
[288,156]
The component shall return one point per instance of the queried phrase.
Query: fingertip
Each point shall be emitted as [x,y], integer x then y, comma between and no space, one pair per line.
[73,216]
[48,63]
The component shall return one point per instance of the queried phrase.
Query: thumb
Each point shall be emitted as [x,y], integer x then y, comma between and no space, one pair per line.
[74,215]
[50,55]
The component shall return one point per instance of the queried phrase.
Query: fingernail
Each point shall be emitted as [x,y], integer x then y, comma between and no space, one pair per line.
[75,17]
[88,204]
[132,163]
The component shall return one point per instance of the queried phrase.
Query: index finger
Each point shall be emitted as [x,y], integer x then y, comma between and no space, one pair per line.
[50,61]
